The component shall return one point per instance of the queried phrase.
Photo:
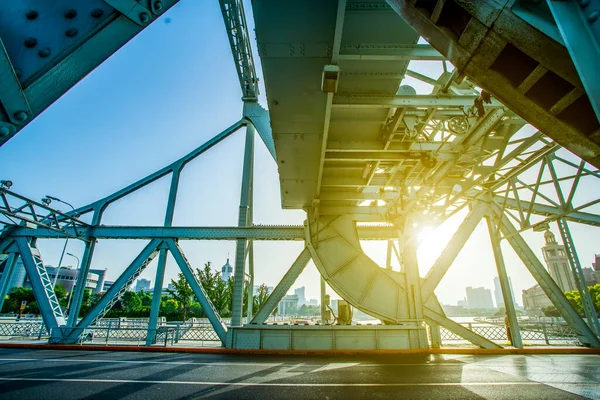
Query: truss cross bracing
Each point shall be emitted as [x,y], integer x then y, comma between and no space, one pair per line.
[364,155]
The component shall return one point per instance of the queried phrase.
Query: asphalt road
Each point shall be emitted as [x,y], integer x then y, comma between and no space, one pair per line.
[48,374]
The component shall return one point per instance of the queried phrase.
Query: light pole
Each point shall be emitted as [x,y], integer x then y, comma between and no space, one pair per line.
[47,200]
[74,283]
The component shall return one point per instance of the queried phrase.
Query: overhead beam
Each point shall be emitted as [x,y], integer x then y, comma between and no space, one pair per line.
[291,232]
[376,101]
[550,211]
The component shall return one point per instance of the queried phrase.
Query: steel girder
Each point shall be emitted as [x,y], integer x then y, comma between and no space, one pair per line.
[20,210]
[545,281]
[444,261]
[577,23]
[513,51]
[239,40]
[112,295]
[66,40]
[41,284]
[211,313]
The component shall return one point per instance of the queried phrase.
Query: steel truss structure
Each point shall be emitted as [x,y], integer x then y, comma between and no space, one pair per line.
[433,157]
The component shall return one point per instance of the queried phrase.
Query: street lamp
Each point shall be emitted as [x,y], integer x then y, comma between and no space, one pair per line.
[74,283]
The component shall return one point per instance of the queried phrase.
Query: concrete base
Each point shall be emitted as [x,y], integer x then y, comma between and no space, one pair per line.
[330,337]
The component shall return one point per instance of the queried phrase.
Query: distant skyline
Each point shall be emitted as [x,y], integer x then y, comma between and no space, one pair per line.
[170,89]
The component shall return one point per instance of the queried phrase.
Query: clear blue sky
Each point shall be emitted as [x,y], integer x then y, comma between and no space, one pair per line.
[166,92]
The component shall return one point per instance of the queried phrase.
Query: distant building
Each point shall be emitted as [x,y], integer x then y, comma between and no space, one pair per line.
[226,271]
[558,263]
[479,298]
[534,300]
[596,266]
[142,285]
[101,278]
[67,277]
[498,292]
[590,276]
[288,303]
[107,285]
[300,292]
[312,302]
[462,303]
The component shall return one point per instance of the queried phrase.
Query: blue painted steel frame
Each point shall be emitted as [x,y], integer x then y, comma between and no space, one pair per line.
[579,25]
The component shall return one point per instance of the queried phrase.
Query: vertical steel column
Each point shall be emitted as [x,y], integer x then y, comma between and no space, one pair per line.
[586,299]
[79,290]
[323,305]
[250,310]
[388,259]
[9,269]
[162,260]
[509,304]
[240,252]
[412,277]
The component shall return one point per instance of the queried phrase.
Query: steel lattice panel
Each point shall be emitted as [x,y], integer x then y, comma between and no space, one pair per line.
[46,47]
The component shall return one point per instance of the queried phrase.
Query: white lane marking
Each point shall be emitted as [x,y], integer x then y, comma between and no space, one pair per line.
[227,364]
[279,384]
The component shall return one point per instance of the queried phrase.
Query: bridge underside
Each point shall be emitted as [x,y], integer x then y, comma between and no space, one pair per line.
[353,146]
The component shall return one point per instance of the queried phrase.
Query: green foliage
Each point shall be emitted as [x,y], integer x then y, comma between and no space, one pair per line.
[575,298]
[551,311]
[183,294]
[15,296]
[146,298]
[131,301]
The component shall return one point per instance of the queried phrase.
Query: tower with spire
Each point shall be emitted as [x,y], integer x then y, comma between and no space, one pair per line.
[226,271]
[557,262]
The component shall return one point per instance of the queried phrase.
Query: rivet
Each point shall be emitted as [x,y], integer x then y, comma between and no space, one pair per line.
[584,3]
[71,32]
[158,5]
[21,116]
[70,13]
[45,52]
[31,14]
[97,13]
[30,42]
[144,17]
[4,131]
[593,16]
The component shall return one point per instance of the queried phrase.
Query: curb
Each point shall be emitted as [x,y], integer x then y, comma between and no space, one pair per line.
[204,350]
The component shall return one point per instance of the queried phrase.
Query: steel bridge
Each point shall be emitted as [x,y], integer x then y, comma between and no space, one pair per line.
[364,155]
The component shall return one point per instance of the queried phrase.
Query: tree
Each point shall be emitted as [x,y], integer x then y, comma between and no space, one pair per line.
[16,295]
[183,293]
[131,301]
[262,294]
[146,298]
[551,311]
[170,306]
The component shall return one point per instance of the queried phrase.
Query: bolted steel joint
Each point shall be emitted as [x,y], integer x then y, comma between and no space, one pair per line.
[30,42]
[97,13]
[31,15]
[70,13]
[21,116]
[45,52]
[144,17]
[593,17]
[4,131]
[158,5]
[71,32]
